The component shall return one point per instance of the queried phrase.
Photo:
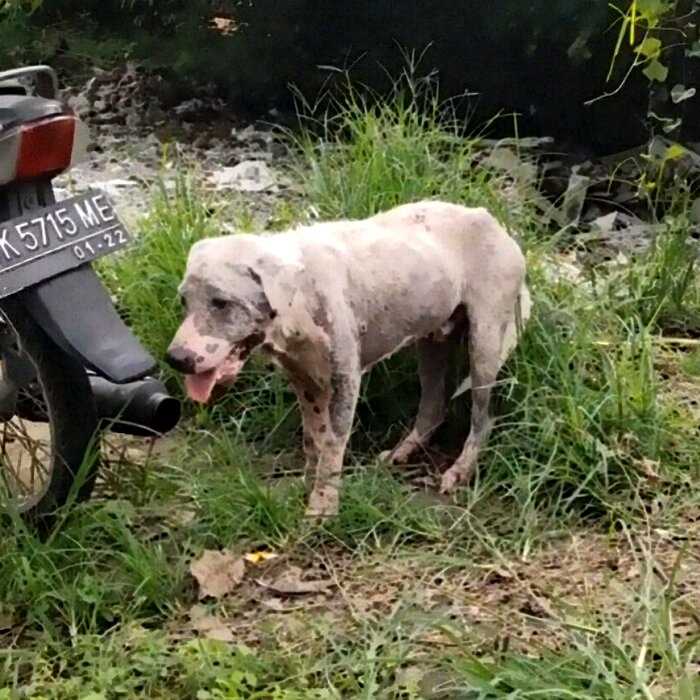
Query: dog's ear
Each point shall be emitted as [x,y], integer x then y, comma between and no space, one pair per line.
[261,302]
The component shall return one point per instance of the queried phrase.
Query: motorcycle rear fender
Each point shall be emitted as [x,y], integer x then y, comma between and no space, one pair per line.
[76,311]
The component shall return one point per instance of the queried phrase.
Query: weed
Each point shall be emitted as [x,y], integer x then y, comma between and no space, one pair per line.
[61,583]
[586,440]
[642,655]
[360,155]
[178,219]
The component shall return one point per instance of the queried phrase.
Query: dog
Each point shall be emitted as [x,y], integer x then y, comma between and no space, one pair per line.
[327,302]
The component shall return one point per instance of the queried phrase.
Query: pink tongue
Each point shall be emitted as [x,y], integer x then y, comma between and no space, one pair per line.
[199,386]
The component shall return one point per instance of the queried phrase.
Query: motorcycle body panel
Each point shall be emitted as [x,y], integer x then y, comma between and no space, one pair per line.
[76,311]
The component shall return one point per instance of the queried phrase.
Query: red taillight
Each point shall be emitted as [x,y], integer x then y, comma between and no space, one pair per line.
[45,147]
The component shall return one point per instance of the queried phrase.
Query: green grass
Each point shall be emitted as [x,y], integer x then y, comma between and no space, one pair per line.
[359,155]
[566,570]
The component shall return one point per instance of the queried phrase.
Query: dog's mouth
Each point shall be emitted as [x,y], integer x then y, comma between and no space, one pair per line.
[201,385]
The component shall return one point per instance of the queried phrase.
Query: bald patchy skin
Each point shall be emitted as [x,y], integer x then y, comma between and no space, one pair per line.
[327,302]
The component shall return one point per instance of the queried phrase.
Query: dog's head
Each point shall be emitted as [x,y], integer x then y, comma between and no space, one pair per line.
[227,314]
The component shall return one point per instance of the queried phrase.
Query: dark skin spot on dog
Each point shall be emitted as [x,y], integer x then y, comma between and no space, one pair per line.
[199,358]
[212,347]
[308,442]
[320,317]
[267,347]
[323,428]
[309,396]
[254,275]
[317,409]
[250,343]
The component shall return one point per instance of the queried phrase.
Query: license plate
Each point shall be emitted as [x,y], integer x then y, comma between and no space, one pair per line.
[45,242]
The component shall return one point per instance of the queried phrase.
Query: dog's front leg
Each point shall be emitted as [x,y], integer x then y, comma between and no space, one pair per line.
[332,438]
[313,405]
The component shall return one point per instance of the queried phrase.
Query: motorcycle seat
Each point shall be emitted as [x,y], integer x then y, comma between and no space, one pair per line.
[21,109]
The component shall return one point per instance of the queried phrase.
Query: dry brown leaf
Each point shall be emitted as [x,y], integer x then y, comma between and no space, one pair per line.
[648,467]
[291,583]
[209,626]
[224,25]
[217,573]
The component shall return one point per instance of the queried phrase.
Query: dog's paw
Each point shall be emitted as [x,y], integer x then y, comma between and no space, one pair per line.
[450,479]
[323,504]
[403,452]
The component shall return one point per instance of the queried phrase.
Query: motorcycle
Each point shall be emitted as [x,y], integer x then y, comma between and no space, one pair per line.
[70,368]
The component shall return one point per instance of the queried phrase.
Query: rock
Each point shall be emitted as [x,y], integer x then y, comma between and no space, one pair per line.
[278,150]
[251,136]
[115,189]
[153,114]
[161,90]
[92,89]
[575,197]
[110,118]
[622,233]
[190,110]
[506,160]
[695,211]
[247,176]
[80,104]
[202,141]
[527,142]
[61,193]
[133,119]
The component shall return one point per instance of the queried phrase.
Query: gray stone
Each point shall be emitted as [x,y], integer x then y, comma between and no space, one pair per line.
[248,176]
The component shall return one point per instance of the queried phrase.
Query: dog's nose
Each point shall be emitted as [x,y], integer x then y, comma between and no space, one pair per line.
[181,359]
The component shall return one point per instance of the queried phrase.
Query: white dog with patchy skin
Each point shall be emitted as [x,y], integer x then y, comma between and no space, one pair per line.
[327,302]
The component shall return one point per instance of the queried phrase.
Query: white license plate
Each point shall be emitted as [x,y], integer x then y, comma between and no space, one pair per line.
[45,242]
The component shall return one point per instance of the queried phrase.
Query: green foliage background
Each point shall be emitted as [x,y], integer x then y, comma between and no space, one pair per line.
[543,59]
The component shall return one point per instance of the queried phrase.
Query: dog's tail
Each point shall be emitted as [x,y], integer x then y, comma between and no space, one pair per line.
[521,314]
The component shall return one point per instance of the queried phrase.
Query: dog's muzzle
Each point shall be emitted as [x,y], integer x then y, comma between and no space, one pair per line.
[181,359]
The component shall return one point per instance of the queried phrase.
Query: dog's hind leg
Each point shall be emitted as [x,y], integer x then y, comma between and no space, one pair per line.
[487,340]
[433,362]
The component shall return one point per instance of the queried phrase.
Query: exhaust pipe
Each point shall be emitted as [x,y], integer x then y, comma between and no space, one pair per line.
[141,408]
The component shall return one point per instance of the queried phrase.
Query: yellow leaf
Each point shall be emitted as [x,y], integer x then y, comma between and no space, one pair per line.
[675,150]
[257,557]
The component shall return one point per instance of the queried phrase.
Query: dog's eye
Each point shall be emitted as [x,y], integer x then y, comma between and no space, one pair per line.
[219,304]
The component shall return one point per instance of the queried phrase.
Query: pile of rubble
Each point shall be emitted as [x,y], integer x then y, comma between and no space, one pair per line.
[136,116]
[607,203]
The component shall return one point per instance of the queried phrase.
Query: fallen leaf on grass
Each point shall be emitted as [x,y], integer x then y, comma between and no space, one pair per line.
[257,557]
[217,573]
[291,583]
[209,626]
[648,468]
